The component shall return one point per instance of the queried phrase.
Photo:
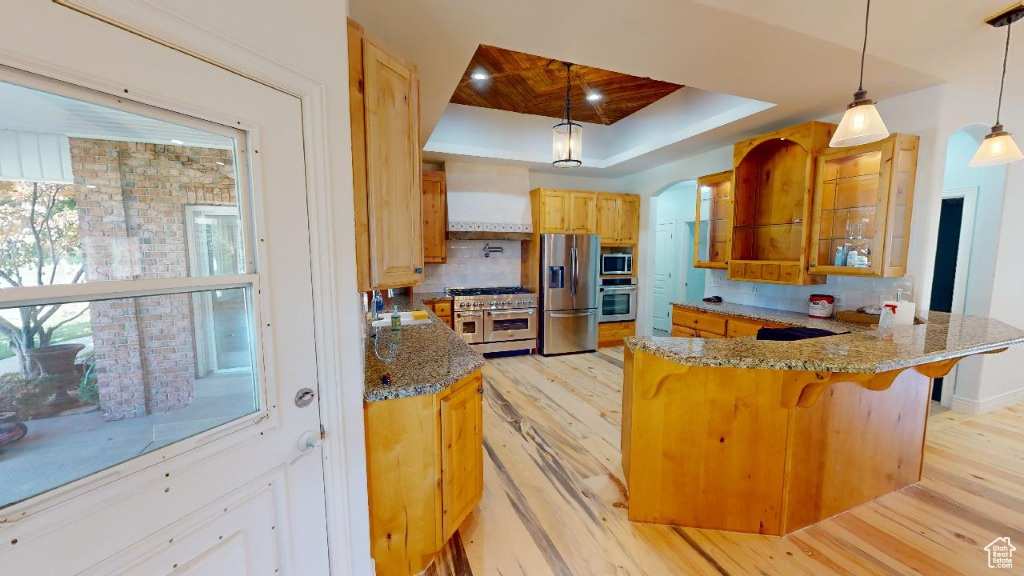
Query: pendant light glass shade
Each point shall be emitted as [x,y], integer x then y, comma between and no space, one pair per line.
[997,148]
[860,125]
[567,136]
[567,144]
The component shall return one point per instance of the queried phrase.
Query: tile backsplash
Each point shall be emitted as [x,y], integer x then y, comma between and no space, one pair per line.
[851,292]
[468,268]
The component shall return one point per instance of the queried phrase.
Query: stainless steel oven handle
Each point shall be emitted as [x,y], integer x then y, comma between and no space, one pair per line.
[577,315]
[468,314]
[507,312]
[618,289]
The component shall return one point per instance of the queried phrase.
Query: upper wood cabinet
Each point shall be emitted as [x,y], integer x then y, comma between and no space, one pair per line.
[618,219]
[582,212]
[773,184]
[564,212]
[554,211]
[384,110]
[862,208]
[462,459]
[435,218]
[713,230]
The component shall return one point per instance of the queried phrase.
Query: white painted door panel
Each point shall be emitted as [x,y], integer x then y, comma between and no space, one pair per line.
[241,498]
[664,263]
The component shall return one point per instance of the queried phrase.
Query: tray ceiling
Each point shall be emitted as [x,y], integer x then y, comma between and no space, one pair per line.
[529,84]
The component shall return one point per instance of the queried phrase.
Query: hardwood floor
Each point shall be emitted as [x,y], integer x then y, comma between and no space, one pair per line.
[554,501]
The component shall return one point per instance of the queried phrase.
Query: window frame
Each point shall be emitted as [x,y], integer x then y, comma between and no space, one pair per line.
[253,222]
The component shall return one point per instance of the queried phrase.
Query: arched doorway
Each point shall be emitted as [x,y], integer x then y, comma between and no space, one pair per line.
[967,237]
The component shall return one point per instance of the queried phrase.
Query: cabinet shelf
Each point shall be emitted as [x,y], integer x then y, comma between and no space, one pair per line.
[863,197]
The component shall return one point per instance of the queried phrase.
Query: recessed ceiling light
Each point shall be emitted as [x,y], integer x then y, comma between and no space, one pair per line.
[218,163]
[91,187]
[593,97]
[176,142]
[479,76]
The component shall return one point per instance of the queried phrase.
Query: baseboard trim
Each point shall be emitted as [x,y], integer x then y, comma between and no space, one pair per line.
[968,406]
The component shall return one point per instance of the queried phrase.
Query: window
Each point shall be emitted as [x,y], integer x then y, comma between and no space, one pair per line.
[127,282]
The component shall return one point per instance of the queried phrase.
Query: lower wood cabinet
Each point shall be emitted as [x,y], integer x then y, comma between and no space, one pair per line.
[443,310]
[691,323]
[424,467]
[612,333]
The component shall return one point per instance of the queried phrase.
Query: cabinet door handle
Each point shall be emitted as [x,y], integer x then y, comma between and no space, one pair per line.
[480,390]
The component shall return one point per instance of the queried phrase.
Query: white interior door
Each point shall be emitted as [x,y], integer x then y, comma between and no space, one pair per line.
[664,264]
[244,494]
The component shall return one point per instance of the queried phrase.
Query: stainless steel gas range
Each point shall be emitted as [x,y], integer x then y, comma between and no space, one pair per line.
[495,319]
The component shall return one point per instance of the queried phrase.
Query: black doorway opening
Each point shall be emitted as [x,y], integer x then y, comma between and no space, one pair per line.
[944,280]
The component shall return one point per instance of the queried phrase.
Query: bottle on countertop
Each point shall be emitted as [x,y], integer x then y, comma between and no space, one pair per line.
[396,320]
[378,304]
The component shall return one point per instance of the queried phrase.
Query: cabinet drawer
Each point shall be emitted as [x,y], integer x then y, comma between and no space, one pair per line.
[789,273]
[752,271]
[770,272]
[739,327]
[683,332]
[442,308]
[699,320]
[706,334]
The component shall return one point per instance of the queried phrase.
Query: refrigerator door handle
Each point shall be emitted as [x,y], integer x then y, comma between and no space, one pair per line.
[574,255]
[574,315]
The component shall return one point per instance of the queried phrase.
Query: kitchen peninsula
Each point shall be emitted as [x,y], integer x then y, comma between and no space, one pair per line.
[769,437]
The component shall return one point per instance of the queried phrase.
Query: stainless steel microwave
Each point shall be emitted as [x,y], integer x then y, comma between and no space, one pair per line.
[617,263]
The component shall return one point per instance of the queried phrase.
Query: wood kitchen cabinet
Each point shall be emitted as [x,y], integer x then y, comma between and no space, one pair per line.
[462,458]
[555,208]
[564,211]
[862,208]
[691,323]
[613,333]
[435,218]
[618,219]
[773,185]
[424,459]
[384,111]
[582,212]
[713,226]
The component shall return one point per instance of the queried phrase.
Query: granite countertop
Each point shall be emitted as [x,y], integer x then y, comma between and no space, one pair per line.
[427,358]
[864,351]
[431,297]
[773,315]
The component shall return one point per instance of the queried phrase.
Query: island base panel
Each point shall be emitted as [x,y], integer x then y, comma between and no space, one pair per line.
[717,448]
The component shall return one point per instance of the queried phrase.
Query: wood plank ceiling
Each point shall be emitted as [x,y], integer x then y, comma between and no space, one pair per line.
[528,84]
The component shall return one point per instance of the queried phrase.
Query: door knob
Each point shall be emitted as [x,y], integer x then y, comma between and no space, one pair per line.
[308,441]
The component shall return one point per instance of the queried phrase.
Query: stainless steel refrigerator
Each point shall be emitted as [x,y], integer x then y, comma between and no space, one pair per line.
[568,296]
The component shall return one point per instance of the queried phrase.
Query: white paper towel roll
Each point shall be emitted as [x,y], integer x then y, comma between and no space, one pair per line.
[904,311]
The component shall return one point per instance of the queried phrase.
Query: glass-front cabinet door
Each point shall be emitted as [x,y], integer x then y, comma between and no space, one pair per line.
[713,231]
[862,208]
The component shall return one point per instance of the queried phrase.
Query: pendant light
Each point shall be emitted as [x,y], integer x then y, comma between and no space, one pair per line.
[998,146]
[567,136]
[861,124]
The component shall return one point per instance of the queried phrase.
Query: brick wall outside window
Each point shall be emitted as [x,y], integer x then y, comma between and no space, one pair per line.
[131,208]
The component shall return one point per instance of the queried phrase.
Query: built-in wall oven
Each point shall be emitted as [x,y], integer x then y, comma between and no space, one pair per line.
[617,300]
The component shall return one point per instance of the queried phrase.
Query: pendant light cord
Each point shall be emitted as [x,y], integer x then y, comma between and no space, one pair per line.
[864,50]
[1002,81]
[568,102]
